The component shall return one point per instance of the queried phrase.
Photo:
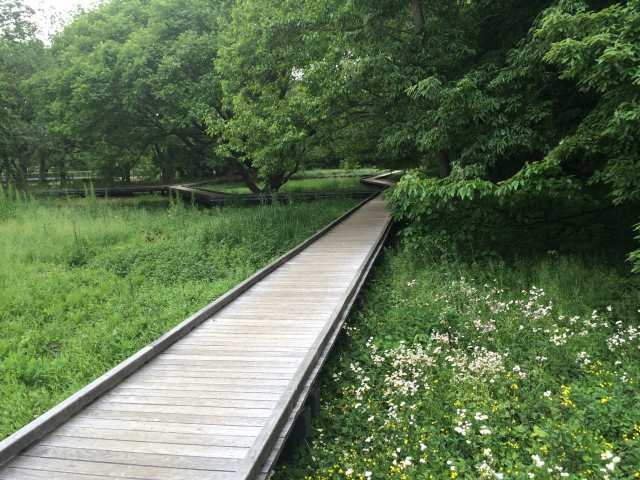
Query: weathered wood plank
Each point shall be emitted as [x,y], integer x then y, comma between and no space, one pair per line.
[12,473]
[187,386]
[84,421]
[188,401]
[154,437]
[118,414]
[125,465]
[205,451]
[185,409]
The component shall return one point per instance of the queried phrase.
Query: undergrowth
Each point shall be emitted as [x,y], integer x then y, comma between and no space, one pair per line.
[518,369]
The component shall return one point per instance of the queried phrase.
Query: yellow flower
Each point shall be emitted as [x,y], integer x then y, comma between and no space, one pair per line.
[454,474]
[565,396]
[604,400]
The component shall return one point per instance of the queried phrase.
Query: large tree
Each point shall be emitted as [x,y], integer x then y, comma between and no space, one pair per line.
[269,115]
[133,80]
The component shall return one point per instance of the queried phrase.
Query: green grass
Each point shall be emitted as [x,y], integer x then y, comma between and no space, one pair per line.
[325,181]
[86,283]
[483,370]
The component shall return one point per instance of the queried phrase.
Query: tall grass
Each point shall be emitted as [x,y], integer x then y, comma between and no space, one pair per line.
[85,283]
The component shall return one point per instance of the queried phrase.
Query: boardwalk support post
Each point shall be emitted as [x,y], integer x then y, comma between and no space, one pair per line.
[314,400]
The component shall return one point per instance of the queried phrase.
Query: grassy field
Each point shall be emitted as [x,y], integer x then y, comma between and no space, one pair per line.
[326,180]
[85,283]
[488,370]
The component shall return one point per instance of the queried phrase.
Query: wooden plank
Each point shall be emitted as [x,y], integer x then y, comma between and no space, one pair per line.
[185,410]
[117,414]
[176,449]
[206,387]
[187,401]
[154,437]
[258,329]
[220,371]
[211,382]
[222,347]
[203,394]
[227,363]
[198,371]
[12,473]
[272,360]
[83,421]
[125,465]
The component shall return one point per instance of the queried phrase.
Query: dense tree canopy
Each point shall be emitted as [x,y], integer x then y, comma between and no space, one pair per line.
[134,79]
[497,108]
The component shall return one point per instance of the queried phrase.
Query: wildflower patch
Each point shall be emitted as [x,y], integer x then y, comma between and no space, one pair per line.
[461,372]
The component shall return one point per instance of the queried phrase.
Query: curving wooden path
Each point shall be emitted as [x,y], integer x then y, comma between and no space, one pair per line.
[216,397]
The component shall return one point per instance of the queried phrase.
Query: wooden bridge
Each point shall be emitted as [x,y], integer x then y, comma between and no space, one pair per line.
[192,192]
[212,198]
[216,397]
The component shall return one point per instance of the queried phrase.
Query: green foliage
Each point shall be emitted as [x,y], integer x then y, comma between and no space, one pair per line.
[21,54]
[113,275]
[268,112]
[10,202]
[634,257]
[600,52]
[133,80]
[477,218]
[459,370]
[544,130]
[15,21]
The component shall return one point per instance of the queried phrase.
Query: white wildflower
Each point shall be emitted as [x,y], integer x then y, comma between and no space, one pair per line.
[538,462]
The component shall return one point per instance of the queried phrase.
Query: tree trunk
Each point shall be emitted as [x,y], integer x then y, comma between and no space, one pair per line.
[444,164]
[418,16]
[62,170]
[249,178]
[274,182]
[19,176]
[43,169]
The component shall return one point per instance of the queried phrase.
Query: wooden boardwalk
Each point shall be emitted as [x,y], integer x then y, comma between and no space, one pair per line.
[212,198]
[216,397]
